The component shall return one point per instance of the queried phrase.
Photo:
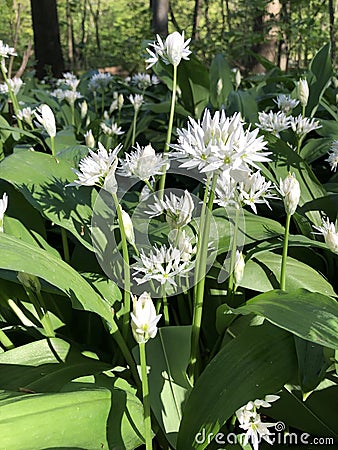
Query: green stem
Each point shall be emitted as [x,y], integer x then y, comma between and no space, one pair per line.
[5,341]
[72,107]
[149,185]
[12,95]
[65,245]
[170,126]
[165,309]
[145,397]
[134,128]
[203,240]
[126,269]
[231,287]
[95,101]
[102,102]
[44,316]
[299,144]
[52,144]
[285,253]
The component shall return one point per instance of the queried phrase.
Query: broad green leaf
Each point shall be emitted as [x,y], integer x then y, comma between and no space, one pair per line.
[243,102]
[319,78]
[312,362]
[42,180]
[258,362]
[168,383]
[317,416]
[315,149]
[263,274]
[309,315]
[45,366]
[220,81]
[19,256]
[90,419]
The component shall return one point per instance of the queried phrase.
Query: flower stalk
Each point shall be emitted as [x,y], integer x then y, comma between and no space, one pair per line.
[169,131]
[285,253]
[145,396]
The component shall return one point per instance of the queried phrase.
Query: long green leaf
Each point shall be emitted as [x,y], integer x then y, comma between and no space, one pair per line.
[309,315]
[258,362]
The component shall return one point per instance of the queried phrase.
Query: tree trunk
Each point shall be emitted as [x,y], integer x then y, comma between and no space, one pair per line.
[196,20]
[47,45]
[268,48]
[70,36]
[96,19]
[160,9]
[332,31]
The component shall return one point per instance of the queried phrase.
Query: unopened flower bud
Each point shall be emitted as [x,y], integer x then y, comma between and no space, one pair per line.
[144,319]
[290,190]
[89,139]
[46,117]
[239,267]
[238,78]
[128,227]
[120,101]
[303,91]
[84,109]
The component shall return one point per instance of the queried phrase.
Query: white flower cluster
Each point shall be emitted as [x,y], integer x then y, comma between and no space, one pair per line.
[333,156]
[171,51]
[136,100]
[144,319]
[26,115]
[178,210]
[111,128]
[286,103]
[6,50]
[328,230]
[68,88]
[143,80]
[250,421]
[143,163]
[99,81]
[14,84]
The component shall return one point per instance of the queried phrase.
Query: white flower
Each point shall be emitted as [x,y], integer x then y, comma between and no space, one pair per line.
[273,122]
[96,167]
[328,230]
[250,421]
[302,125]
[112,129]
[171,51]
[144,80]
[290,190]
[219,143]
[100,81]
[163,265]
[26,114]
[255,189]
[303,91]
[179,239]
[178,210]
[128,227]
[89,139]
[6,50]
[66,94]
[285,103]
[46,118]
[239,267]
[3,208]
[143,163]
[226,192]
[333,156]
[14,85]
[70,80]
[144,319]
[136,101]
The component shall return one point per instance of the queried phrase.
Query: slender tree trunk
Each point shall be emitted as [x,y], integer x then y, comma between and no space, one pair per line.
[160,11]
[196,20]
[227,7]
[83,39]
[284,43]
[47,47]
[268,48]
[96,19]
[70,35]
[332,31]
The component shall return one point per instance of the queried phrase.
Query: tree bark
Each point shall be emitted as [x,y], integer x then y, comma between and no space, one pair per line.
[47,46]
[196,20]
[160,10]
[70,35]
[332,31]
[268,48]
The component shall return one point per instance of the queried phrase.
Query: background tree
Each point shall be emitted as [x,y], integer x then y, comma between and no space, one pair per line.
[160,11]
[47,46]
